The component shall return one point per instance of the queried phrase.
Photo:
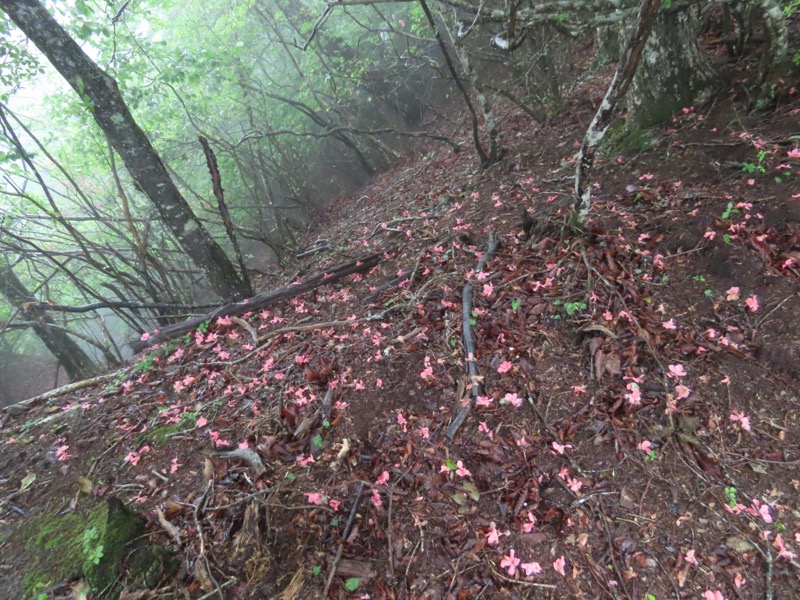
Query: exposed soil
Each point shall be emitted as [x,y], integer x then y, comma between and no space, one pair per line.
[636,433]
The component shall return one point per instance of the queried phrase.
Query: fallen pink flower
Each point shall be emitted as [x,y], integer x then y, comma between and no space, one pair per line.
[559,564]
[314,497]
[531,568]
[492,536]
[677,371]
[483,401]
[504,367]
[782,551]
[512,399]
[559,448]
[510,563]
[742,419]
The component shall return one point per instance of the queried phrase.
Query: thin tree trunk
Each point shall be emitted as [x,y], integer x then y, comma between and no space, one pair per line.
[485,162]
[69,354]
[102,96]
[219,194]
[483,101]
[623,76]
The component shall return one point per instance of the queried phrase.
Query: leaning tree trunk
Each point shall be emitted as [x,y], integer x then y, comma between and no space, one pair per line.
[69,354]
[623,76]
[102,96]
[674,73]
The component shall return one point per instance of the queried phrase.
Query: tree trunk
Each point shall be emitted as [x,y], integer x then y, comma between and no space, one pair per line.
[776,52]
[674,72]
[102,97]
[626,70]
[69,354]
[609,45]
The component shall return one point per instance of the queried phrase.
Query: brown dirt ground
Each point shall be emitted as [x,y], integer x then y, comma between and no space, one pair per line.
[570,320]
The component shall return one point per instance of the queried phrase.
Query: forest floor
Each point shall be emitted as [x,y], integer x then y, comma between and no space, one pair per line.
[634,433]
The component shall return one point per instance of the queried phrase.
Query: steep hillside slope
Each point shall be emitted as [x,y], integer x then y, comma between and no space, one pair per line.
[631,421]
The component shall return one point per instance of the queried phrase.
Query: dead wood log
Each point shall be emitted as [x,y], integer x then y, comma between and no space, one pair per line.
[260,301]
[19,407]
[470,348]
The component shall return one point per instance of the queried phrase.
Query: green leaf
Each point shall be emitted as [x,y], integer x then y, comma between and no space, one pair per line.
[515,304]
[451,465]
[351,585]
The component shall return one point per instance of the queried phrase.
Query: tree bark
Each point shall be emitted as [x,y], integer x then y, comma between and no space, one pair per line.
[674,73]
[777,50]
[69,354]
[103,99]
[485,162]
[332,275]
[623,76]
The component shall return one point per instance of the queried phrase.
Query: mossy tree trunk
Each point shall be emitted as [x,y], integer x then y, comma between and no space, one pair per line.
[674,72]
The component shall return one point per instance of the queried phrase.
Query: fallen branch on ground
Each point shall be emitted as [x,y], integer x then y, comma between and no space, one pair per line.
[470,349]
[261,300]
[23,405]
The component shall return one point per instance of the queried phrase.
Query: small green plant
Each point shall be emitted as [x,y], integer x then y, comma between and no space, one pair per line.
[473,320]
[650,456]
[729,211]
[730,496]
[758,167]
[144,365]
[515,304]
[93,551]
[316,570]
[573,307]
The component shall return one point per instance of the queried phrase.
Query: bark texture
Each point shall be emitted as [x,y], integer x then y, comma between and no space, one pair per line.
[626,69]
[102,97]
[674,72]
[69,354]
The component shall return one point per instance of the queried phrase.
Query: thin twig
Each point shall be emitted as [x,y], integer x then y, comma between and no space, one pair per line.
[345,535]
